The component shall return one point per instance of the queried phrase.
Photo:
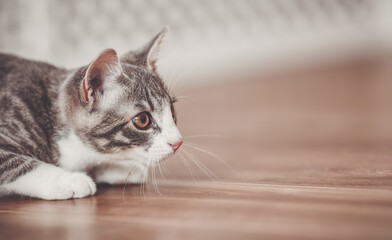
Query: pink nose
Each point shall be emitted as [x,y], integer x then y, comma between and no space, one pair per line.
[176,145]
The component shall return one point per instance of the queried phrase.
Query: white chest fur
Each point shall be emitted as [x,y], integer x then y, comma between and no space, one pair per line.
[75,155]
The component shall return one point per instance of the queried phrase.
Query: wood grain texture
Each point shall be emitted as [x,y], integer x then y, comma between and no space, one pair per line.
[300,156]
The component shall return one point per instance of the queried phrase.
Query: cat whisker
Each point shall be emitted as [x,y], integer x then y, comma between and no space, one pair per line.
[136,164]
[154,181]
[185,98]
[111,160]
[208,153]
[141,189]
[187,166]
[175,79]
[143,183]
[179,78]
[126,181]
[160,170]
[172,80]
[202,167]
[164,75]
[164,168]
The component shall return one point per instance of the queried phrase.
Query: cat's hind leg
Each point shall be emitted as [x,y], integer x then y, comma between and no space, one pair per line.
[43,180]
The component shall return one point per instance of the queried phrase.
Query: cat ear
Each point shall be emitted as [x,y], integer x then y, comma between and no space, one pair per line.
[103,69]
[148,54]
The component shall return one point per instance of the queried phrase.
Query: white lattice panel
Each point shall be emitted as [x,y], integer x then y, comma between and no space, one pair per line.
[204,35]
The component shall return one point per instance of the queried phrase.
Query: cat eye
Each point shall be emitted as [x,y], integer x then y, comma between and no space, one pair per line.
[142,121]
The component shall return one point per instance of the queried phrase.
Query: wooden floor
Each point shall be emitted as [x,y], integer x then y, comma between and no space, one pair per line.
[295,156]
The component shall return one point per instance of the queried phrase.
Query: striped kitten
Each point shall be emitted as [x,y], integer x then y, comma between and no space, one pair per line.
[112,119]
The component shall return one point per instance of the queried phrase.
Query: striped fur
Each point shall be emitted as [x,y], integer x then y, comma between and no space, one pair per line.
[58,120]
[28,115]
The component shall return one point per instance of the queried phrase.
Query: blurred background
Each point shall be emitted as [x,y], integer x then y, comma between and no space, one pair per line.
[208,40]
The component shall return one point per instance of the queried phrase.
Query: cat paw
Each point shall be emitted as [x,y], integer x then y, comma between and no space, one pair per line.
[52,183]
[69,185]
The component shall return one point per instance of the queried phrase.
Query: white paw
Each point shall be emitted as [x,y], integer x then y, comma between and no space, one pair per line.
[53,183]
[69,185]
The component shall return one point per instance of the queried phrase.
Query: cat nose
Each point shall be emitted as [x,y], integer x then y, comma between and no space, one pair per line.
[176,145]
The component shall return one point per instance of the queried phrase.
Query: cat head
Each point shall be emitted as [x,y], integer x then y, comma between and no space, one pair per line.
[121,105]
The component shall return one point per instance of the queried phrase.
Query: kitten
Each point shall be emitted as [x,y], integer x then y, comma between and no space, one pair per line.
[112,119]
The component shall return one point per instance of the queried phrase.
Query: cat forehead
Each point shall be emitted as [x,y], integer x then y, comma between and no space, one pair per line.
[144,88]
